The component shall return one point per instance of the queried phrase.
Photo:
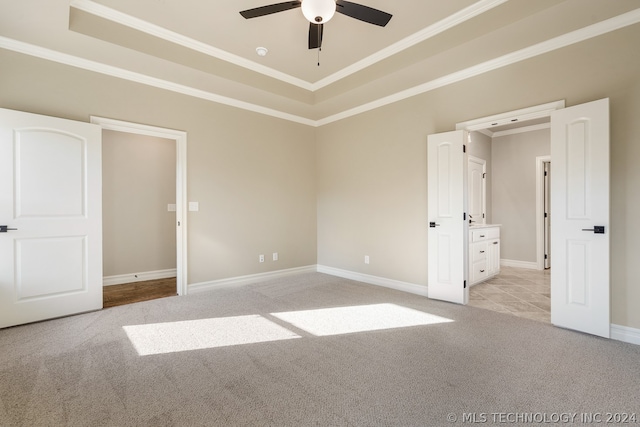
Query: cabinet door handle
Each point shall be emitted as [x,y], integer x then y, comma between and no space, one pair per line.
[495,243]
[482,235]
[481,252]
[481,271]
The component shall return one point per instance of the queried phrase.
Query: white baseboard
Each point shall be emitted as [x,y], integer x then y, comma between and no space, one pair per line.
[138,277]
[246,280]
[625,334]
[375,280]
[519,264]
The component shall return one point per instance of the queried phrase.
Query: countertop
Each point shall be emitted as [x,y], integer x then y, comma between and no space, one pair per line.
[476,226]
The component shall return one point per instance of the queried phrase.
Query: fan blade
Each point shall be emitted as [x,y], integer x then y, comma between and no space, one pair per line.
[268,10]
[315,35]
[363,13]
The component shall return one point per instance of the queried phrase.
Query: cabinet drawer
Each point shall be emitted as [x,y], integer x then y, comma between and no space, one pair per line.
[479,251]
[485,234]
[479,271]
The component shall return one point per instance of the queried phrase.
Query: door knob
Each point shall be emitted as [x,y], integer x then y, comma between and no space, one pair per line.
[597,229]
[5,228]
[433,225]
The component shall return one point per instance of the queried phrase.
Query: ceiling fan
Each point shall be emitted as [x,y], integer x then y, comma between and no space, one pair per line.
[318,12]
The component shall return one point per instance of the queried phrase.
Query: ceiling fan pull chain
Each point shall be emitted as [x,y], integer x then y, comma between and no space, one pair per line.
[319,49]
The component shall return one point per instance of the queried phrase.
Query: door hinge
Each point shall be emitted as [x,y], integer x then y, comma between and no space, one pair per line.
[464,216]
[482,215]
[464,148]
[464,285]
[545,214]
[545,256]
[484,175]
[545,173]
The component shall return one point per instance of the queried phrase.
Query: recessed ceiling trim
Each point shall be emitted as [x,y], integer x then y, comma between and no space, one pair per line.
[422,35]
[85,64]
[612,24]
[105,12]
[122,18]
[598,29]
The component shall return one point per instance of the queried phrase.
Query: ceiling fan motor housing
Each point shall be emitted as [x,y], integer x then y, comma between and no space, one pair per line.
[318,11]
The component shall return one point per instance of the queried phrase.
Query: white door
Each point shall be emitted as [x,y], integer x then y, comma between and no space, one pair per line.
[448,225]
[580,200]
[51,195]
[477,190]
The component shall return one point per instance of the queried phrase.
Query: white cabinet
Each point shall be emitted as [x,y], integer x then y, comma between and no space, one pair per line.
[484,253]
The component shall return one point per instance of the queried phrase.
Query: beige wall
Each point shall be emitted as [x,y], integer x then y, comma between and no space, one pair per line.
[138,182]
[264,184]
[514,191]
[372,167]
[254,176]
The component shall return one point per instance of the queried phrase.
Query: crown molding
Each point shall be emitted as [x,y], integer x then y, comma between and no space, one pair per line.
[600,28]
[113,15]
[412,40]
[89,6]
[85,64]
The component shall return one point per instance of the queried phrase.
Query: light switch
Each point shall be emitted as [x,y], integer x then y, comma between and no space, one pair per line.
[194,207]
[171,207]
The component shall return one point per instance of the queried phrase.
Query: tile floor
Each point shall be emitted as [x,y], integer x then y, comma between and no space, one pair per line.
[518,291]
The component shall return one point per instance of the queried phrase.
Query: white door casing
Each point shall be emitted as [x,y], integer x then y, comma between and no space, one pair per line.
[542,243]
[180,137]
[51,193]
[477,189]
[547,215]
[448,226]
[580,200]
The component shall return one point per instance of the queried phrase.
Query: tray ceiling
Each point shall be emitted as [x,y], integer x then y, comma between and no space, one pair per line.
[206,49]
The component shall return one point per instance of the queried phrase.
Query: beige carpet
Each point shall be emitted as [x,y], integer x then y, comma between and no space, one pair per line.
[308,350]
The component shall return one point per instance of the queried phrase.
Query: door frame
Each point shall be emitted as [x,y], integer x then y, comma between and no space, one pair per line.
[482,162]
[180,137]
[540,161]
[510,117]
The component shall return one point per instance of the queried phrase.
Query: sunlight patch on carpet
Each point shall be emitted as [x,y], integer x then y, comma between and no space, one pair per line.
[346,320]
[171,337]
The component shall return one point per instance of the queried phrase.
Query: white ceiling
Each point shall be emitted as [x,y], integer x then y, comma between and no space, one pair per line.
[206,49]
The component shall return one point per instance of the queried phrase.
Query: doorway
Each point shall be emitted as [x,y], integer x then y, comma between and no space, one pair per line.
[522,288]
[138,217]
[180,141]
[517,154]
[580,197]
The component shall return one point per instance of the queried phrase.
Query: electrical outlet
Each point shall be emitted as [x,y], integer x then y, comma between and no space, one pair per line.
[366,259]
[261,258]
[275,256]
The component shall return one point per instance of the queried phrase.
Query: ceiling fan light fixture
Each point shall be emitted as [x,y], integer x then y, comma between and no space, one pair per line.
[318,11]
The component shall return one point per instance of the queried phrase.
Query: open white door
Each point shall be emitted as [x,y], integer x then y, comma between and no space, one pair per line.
[51,207]
[448,226]
[580,217]
[476,182]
